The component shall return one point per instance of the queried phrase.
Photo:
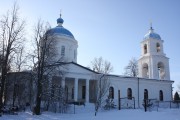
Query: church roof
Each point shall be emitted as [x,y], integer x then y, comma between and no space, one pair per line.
[60,30]
[152,35]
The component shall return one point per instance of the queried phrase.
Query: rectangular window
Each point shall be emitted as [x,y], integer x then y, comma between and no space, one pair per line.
[83,92]
[62,50]
[72,96]
[74,54]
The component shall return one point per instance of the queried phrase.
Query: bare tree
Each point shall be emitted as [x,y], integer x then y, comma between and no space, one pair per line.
[17,91]
[18,81]
[1,62]
[103,67]
[132,68]
[11,38]
[44,60]
[57,97]
[39,59]
[176,97]
[20,60]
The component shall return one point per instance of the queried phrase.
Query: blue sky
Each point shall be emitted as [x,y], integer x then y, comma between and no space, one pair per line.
[112,29]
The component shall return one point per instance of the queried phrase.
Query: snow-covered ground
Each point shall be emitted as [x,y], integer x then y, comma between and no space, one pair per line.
[82,113]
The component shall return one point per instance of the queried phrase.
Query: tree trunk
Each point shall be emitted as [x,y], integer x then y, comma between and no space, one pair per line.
[3,82]
[38,97]
[38,104]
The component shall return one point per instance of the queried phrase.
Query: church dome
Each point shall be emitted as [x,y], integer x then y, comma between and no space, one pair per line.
[152,35]
[60,20]
[60,30]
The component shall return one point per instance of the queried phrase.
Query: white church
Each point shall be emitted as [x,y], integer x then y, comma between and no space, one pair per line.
[153,81]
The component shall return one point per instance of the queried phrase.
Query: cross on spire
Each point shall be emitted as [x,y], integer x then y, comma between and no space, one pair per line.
[60,13]
[151,25]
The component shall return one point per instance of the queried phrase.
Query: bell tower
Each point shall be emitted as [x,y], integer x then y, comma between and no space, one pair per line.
[153,63]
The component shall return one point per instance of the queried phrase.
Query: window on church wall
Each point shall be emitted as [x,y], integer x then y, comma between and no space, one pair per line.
[111,93]
[145,94]
[161,70]
[53,91]
[145,48]
[161,95]
[158,47]
[83,92]
[129,93]
[74,54]
[145,70]
[62,51]
[92,89]
[72,94]
[66,93]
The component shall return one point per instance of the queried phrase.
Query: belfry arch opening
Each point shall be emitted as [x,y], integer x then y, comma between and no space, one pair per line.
[161,70]
[145,48]
[158,48]
[145,71]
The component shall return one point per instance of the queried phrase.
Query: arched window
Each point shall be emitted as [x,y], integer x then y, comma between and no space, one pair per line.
[158,48]
[145,48]
[161,95]
[129,93]
[145,70]
[161,70]
[62,50]
[145,94]
[111,92]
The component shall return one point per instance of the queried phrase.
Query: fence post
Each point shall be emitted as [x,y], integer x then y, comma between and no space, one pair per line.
[134,103]
[145,105]
[119,100]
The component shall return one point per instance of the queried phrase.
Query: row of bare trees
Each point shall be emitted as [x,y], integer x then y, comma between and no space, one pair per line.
[11,45]
[13,57]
